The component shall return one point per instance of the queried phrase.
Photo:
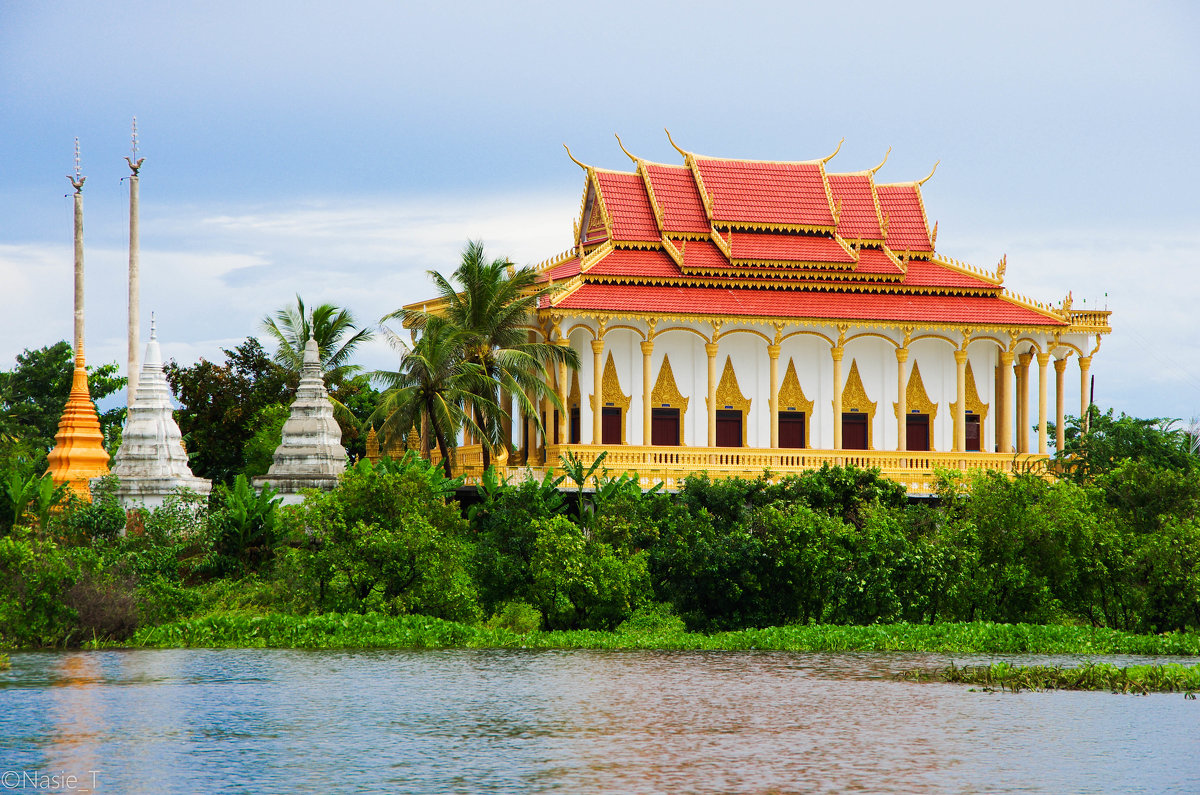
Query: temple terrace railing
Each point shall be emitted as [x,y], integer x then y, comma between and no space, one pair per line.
[670,465]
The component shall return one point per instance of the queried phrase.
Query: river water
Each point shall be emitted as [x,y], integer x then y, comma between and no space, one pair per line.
[511,721]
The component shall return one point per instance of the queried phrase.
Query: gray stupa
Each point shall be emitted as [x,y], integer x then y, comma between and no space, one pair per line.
[311,455]
[151,462]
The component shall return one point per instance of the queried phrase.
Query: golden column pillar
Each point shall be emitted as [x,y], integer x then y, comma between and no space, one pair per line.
[773,352]
[564,414]
[960,410]
[837,353]
[1022,371]
[597,385]
[711,348]
[1006,403]
[1043,359]
[647,349]
[901,399]
[1085,365]
[1060,409]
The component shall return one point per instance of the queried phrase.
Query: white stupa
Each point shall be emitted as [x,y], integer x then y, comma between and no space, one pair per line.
[310,455]
[151,462]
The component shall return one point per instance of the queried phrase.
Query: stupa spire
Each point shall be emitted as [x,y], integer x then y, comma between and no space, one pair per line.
[310,454]
[151,463]
[78,454]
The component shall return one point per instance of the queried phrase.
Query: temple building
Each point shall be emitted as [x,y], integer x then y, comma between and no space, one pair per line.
[736,316]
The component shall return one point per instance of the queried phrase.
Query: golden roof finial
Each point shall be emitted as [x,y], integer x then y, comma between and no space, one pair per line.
[573,160]
[623,149]
[672,140]
[872,171]
[835,151]
[1001,267]
[923,181]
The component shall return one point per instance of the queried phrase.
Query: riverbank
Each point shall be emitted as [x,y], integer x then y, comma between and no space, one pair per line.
[374,631]
[1135,679]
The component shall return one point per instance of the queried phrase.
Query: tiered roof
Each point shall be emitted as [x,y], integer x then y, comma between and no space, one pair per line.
[721,237]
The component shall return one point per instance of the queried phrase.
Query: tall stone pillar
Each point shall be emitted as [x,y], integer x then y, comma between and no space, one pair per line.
[564,389]
[960,410]
[78,454]
[1022,372]
[773,352]
[901,399]
[711,348]
[597,391]
[1043,359]
[1006,402]
[647,385]
[135,166]
[1060,408]
[1085,398]
[837,353]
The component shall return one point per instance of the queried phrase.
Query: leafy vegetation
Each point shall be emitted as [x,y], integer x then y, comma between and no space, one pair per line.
[1136,679]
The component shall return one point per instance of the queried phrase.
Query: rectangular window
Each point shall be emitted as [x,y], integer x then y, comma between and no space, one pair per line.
[664,427]
[575,430]
[917,431]
[854,431]
[974,441]
[729,428]
[791,429]
[610,425]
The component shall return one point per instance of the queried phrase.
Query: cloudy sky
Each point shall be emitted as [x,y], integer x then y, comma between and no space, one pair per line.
[341,153]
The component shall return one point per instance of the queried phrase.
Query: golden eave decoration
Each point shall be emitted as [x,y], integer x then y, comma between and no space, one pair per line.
[729,394]
[916,397]
[610,387]
[665,393]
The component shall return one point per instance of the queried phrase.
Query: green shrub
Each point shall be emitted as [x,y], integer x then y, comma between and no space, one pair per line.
[519,617]
[655,618]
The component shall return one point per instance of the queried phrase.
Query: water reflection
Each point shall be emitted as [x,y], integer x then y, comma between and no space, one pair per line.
[578,721]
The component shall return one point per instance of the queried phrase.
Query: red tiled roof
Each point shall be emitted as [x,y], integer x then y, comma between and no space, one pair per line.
[636,262]
[628,206]
[876,260]
[901,205]
[564,270]
[859,219]
[702,254]
[678,197]
[766,193]
[914,308]
[922,273]
[784,247]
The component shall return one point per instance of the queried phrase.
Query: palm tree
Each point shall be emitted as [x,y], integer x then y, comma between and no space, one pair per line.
[291,327]
[490,306]
[430,390]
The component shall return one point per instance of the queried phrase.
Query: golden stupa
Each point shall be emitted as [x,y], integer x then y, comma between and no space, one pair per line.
[78,454]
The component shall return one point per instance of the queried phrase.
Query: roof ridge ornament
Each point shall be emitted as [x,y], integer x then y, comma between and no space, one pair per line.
[1001,267]
[872,171]
[672,141]
[931,171]
[829,157]
[626,151]
[573,160]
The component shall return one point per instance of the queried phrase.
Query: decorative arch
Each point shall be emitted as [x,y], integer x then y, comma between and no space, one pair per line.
[855,400]
[698,333]
[611,394]
[667,395]
[729,396]
[917,401]
[827,338]
[791,398]
[974,404]
[755,332]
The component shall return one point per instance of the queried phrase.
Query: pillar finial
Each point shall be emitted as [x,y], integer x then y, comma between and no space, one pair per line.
[78,179]
[135,162]
[153,332]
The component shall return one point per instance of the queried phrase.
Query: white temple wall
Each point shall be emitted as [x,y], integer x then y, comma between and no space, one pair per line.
[814,370]
[871,354]
[751,366]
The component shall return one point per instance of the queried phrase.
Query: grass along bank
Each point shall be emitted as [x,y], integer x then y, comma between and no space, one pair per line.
[376,631]
[1136,679]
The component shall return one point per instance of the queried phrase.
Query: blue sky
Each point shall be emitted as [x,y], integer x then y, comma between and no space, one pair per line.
[341,153]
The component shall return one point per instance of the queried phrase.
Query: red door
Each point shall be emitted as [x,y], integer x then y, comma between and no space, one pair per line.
[917,431]
[664,427]
[854,431]
[729,428]
[610,425]
[575,430]
[974,444]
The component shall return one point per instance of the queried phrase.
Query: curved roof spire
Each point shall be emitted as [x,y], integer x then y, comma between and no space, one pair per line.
[573,160]
[623,149]
[829,157]
[672,140]
[872,171]
[923,181]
